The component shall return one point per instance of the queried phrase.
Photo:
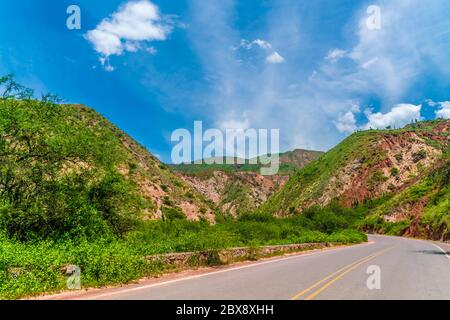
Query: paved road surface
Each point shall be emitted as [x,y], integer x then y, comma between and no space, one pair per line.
[410,269]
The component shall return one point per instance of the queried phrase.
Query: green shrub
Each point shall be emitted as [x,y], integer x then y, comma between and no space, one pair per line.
[395,228]
[257,217]
[395,172]
[172,213]
[57,180]
[35,267]
[420,155]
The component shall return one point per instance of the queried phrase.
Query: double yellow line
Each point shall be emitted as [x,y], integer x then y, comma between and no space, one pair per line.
[335,276]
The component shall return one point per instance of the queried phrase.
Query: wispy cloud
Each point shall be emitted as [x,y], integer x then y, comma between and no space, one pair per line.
[335,55]
[312,95]
[258,42]
[272,57]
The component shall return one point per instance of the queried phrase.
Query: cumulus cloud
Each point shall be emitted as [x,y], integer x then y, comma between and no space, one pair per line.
[444,111]
[399,116]
[346,123]
[128,29]
[274,58]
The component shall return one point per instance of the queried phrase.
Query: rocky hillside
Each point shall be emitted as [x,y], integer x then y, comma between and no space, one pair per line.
[420,210]
[238,189]
[235,193]
[290,162]
[298,158]
[65,166]
[156,181]
[402,166]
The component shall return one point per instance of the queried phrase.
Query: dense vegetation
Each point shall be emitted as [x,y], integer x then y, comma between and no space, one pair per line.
[311,182]
[71,193]
[429,186]
[434,223]
[430,196]
[35,267]
[207,170]
[240,188]
[290,162]
[64,199]
[56,180]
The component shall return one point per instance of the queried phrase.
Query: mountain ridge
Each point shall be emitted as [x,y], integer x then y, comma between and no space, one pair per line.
[240,188]
[369,166]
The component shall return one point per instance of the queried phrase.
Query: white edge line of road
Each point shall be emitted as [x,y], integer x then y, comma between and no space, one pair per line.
[219,271]
[421,240]
[443,251]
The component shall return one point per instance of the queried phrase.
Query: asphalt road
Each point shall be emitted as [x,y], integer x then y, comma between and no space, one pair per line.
[407,269]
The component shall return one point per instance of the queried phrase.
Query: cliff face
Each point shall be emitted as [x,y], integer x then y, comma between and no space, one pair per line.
[155,180]
[236,193]
[366,165]
[238,189]
[408,167]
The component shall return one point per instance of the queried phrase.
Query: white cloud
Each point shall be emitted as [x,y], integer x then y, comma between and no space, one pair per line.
[431,103]
[368,64]
[335,55]
[234,124]
[444,111]
[236,128]
[405,48]
[262,44]
[128,29]
[355,107]
[237,86]
[274,58]
[380,65]
[151,50]
[131,46]
[399,116]
[258,42]
[109,68]
[389,63]
[346,123]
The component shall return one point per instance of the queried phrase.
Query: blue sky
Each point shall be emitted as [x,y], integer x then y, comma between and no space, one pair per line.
[313,69]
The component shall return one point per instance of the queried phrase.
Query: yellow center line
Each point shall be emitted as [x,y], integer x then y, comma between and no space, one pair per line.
[315,294]
[360,261]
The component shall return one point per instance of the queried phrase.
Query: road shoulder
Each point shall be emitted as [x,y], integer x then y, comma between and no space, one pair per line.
[185,274]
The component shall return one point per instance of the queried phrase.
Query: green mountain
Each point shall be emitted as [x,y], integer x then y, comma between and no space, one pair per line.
[290,162]
[404,170]
[65,169]
[420,210]
[239,188]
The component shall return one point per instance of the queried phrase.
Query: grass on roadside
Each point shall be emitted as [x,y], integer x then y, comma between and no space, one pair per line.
[35,267]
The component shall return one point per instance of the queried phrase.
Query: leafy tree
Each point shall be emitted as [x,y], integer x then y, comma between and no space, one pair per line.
[58,171]
[13,90]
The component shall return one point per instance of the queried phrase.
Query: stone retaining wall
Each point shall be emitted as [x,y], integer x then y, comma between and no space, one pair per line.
[225,256]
